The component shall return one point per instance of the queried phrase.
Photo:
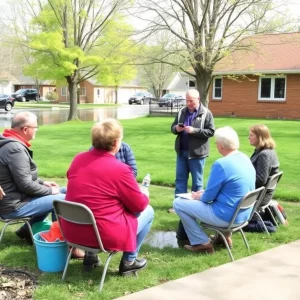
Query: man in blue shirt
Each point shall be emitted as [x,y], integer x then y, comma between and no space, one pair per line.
[126,155]
[231,178]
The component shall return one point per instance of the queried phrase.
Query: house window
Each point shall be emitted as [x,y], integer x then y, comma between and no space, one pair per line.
[217,90]
[272,88]
[83,91]
[64,91]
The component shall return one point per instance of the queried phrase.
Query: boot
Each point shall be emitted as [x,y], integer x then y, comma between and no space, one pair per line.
[138,264]
[24,234]
[90,261]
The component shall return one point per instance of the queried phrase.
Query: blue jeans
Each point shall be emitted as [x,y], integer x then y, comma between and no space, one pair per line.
[37,208]
[184,166]
[189,211]
[145,220]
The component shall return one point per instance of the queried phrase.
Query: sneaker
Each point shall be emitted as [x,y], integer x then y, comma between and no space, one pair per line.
[138,265]
[24,234]
[90,261]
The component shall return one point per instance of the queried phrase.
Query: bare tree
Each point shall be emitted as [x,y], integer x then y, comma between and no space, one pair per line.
[205,30]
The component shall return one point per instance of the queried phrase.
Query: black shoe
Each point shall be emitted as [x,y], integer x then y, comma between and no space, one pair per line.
[24,234]
[90,261]
[132,269]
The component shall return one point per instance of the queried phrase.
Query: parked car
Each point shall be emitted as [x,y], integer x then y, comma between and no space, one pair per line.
[141,98]
[7,102]
[171,100]
[23,95]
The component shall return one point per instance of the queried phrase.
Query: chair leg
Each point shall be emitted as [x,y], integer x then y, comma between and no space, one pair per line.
[263,223]
[244,238]
[3,230]
[105,270]
[67,264]
[272,216]
[226,244]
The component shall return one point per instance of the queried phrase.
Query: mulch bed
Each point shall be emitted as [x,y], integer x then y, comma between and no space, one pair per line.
[16,284]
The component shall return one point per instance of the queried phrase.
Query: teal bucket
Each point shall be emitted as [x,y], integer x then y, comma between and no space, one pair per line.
[51,257]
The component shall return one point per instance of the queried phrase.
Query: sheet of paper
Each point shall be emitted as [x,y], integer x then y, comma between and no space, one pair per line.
[185,195]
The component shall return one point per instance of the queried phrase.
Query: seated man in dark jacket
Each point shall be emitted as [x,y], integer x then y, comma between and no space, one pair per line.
[26,195]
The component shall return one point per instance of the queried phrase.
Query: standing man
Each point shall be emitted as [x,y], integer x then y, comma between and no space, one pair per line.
[193,125]
[26,195]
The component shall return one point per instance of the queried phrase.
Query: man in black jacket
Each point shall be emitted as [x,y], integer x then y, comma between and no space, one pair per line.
[26,195]
[193,125]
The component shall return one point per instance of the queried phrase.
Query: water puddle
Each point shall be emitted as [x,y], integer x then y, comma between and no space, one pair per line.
[161,239]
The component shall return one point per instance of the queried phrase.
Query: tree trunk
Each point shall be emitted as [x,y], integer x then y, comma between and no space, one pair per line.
[116,95]
[203,81]
[72,87]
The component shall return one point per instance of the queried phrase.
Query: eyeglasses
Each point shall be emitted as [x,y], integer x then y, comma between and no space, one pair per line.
[36,127]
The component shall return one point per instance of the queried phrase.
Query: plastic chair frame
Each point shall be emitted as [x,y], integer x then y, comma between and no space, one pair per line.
[13,222]
[269,187]
[80,214]
[250,200]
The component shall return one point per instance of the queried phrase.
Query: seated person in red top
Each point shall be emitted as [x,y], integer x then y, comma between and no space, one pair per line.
[108,187]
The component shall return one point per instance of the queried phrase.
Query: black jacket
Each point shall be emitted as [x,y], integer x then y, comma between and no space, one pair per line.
[18,176]
[198,141]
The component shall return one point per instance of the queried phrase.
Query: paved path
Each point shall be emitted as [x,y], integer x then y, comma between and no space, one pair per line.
[273,274]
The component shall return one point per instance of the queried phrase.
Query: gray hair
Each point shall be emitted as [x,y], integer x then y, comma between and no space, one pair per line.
[227,137]
[22,118]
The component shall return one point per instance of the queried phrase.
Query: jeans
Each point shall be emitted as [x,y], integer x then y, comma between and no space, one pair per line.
[189,211]
[184,166]
[145,220]
[37,208]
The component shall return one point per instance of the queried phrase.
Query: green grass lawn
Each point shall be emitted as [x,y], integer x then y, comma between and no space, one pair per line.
[153,145]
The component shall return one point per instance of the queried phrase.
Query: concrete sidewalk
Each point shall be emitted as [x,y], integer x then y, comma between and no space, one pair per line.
[273,274]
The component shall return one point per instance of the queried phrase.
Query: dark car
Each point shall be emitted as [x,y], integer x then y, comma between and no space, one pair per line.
[7,102]
[23,95]
[141,98]
[171,100]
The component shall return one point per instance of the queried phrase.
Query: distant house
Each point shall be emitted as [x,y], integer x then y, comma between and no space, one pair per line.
[93,92]
[263,81]
[178,83]
[9,84]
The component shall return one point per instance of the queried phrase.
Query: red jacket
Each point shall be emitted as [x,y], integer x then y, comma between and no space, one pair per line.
[107,186]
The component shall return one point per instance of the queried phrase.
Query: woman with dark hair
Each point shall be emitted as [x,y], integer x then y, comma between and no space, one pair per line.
[264,158]
[108,187]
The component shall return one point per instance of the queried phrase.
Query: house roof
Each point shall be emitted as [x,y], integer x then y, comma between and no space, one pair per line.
[27,80]
[267,54]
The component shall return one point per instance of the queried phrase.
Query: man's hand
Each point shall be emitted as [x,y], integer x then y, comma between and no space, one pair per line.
[189,129]
[179,128]
[197,195]
[55,190]
[2,194]
[50,183]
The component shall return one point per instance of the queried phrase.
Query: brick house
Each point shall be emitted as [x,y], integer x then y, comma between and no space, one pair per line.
[263,81]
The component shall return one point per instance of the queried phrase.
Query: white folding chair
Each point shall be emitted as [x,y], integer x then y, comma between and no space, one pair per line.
[250,200]
[80,214]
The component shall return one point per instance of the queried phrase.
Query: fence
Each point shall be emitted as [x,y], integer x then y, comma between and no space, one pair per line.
[165,109]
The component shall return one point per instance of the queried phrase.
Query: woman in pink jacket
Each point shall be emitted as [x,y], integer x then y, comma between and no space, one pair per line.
[108,187]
